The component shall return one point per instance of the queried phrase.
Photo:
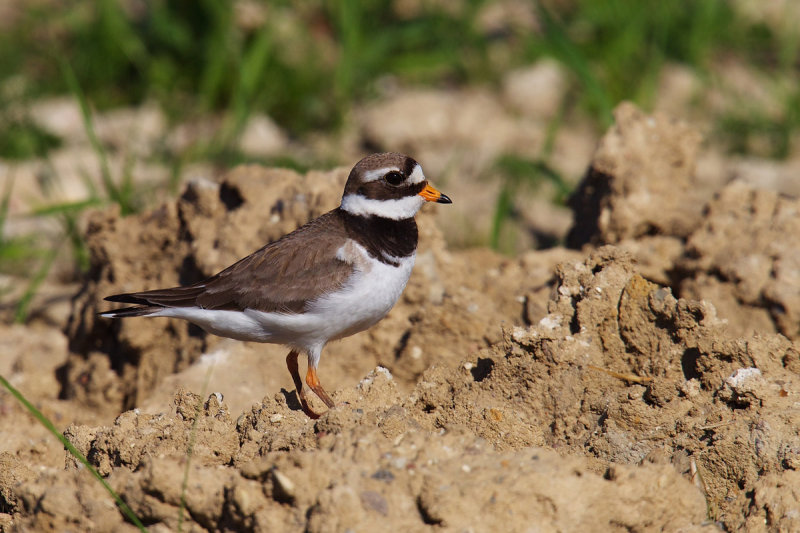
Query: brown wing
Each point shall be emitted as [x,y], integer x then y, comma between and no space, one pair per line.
[282,276]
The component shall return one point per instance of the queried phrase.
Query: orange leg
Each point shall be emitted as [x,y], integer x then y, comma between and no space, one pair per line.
[291,364]
[316,386]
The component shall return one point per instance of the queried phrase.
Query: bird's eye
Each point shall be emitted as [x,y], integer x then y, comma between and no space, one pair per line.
[394,178]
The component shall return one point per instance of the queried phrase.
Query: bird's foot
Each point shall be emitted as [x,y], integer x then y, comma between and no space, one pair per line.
[310,413]
[313,382]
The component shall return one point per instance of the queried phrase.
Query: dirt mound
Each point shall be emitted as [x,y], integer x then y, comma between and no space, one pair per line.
[736,246]
[746,256]
[641,181]
[364,465]
[646,382]
[618,373]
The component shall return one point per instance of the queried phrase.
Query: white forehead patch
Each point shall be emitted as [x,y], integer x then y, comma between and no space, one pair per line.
[378,173]
[398,209]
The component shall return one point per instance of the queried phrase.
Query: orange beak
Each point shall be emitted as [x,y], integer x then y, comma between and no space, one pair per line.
[432,195]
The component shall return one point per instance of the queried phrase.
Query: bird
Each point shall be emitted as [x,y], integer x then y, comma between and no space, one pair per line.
[332,277]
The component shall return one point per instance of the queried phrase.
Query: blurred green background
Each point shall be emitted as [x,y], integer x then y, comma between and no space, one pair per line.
[308,64]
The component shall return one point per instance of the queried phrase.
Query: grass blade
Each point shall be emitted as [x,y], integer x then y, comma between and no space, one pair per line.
[190,449]
[502,212]
[21,311]
[66,207]
[254,62]
[4,203]
[74,451]
[570,54]
[119,195]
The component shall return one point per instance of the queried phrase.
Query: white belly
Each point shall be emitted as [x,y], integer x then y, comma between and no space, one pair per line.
[362,302]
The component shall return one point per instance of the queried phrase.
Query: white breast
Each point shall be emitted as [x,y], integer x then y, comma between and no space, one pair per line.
[368,295]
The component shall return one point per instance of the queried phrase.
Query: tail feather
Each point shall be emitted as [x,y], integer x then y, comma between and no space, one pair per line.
[130,311]
[173,297]
[130,298]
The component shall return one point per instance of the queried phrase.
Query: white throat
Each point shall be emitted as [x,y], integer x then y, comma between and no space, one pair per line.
[398,209]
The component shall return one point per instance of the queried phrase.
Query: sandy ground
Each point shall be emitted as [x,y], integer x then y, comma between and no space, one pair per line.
[644,379]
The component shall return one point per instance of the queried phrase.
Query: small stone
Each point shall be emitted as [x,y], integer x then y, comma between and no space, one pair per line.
[262,137]
[691,388]
[744,387]
[536,90]
[742,377]
[284,487]
[383,475]
[371,500]
[550,322]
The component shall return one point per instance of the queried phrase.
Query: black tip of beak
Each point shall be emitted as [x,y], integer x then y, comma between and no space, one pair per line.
[444,199]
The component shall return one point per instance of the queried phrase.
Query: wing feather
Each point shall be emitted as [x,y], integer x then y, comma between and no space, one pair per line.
[282,276]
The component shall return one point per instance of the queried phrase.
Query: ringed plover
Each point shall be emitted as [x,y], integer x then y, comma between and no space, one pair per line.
[331,278]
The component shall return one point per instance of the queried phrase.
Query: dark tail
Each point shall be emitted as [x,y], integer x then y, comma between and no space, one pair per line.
[148,302]
[143,309]
[129,311]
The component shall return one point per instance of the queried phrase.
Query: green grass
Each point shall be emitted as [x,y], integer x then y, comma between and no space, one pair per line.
[48,424]
[306,63]
[21,139]
[17,254]
[518,174]
[119,191]
[38,277]
[124,508]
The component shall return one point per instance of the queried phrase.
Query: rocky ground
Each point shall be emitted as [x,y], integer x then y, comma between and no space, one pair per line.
[643,379]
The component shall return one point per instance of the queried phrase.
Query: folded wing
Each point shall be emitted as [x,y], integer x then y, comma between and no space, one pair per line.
[283,276]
